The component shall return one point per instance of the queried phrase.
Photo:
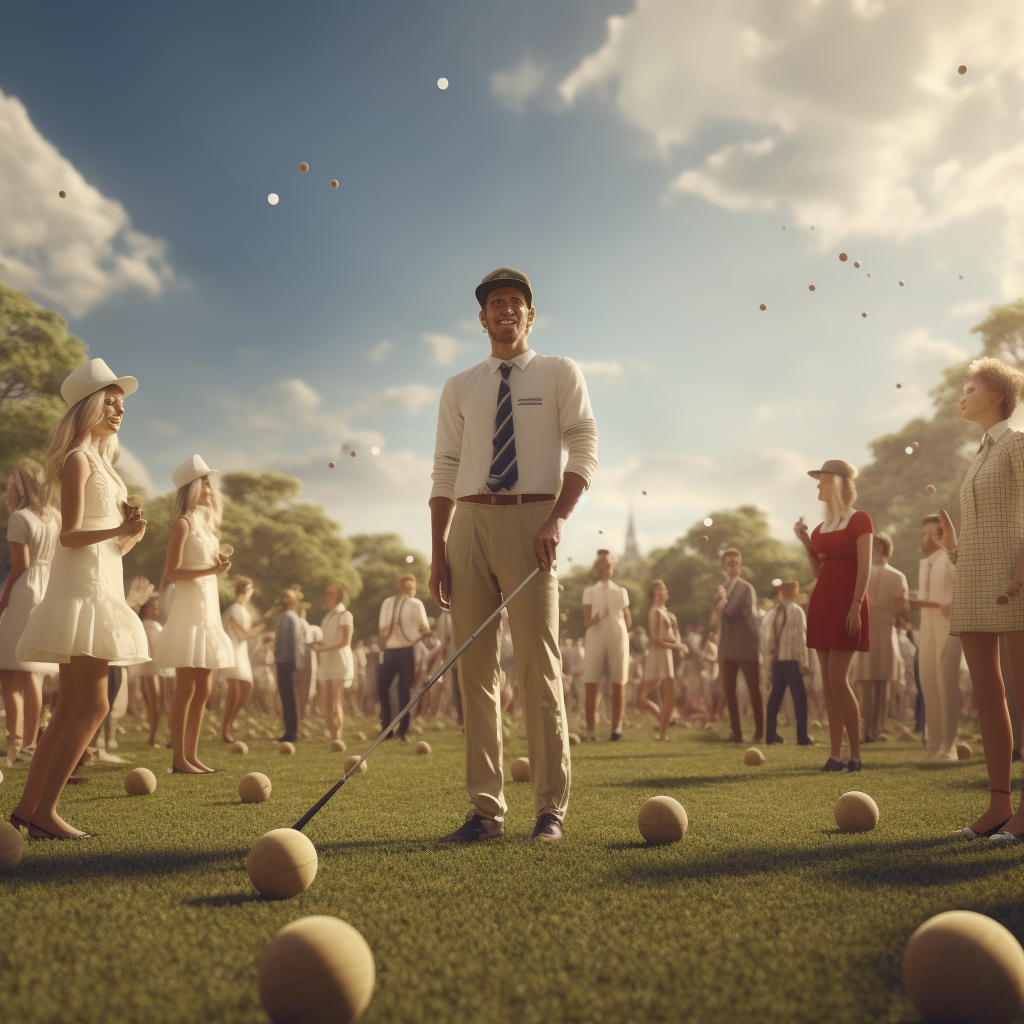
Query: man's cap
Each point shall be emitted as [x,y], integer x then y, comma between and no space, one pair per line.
[504,277]
[837,468]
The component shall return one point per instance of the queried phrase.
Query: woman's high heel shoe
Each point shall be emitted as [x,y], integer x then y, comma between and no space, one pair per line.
[18,823]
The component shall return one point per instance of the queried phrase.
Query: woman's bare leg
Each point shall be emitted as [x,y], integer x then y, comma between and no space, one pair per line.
[835,720]
[591,705]
[151,687]
[231,705]
[844,701]
[177,717]
[81,706]
[668,697]
[12,688]
[203,680]
[32,696]
[643,700]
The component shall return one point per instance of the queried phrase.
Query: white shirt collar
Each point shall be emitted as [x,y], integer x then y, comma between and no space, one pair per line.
[521,360]
[935,556]
[997,430]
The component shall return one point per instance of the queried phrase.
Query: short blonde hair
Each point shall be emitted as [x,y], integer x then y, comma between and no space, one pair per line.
[27,487]
[885,542]
[1006,381]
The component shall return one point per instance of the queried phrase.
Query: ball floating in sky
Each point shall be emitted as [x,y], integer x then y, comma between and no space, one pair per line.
[930,489]
[521,769]
[709,521]
[282,863]
[762,307]
[62,194]
[869,273]
[238,747]
[353,453]
[855,812]
[812,227]
[334,182]
[961,277]
[962,69]
[810,287]
[643,492]
[375,450]
[11,846]
[863,314]
[253,788]
[963,966]
[783,227]
[316,969]
[856,263]
[902,283]
[909,450]
[303,166]
[139,782]
[273,199]
[661,820]
[915,444]
[753,757]
[331,465]
[843,257]
[600,531]
[410,559]
[899,385]
[442,83]
[704,539]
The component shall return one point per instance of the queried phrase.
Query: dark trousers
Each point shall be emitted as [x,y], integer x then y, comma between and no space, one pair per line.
[787,673]
[751,672]
[397,661]
[919,700]
[286,687]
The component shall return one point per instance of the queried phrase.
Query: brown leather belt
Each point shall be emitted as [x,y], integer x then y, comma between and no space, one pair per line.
[506,499]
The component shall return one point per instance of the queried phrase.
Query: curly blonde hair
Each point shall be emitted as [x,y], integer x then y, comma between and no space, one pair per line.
[1006,381]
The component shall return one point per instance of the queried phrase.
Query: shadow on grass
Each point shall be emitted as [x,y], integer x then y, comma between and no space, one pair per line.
[227,900]
[120,865]
[704,780]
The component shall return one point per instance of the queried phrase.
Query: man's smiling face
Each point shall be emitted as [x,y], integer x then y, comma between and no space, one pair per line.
[507,317]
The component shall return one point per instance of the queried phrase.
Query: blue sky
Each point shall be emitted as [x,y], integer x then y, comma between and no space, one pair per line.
[638,162]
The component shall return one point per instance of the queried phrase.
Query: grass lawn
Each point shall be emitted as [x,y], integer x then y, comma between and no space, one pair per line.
[764,912]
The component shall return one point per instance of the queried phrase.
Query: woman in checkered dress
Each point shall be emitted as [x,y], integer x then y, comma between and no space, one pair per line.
[989,559]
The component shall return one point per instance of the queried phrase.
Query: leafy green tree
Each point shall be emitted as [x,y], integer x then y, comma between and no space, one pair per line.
[380,558]
[36,354]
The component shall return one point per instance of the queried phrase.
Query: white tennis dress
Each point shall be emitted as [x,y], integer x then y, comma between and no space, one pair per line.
[337,664]
[25,527]
[83,611]
[242,619]
[193,636]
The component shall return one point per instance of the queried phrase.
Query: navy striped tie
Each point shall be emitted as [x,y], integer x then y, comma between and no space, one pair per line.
[504,466]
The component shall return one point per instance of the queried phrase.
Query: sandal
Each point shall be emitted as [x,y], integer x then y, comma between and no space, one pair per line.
[968,833]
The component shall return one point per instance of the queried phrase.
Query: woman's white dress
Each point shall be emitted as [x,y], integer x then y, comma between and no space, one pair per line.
[83,612]
[242,619]
[151,668]
[25,527]
[337,664]
[193,636]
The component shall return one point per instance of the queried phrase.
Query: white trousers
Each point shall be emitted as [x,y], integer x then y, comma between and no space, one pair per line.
[940,680]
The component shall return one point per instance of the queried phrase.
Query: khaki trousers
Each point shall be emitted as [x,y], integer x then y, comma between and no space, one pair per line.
[940,680]
[490,552]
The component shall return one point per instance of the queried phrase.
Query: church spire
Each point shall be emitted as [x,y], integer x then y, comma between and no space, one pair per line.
[632,548]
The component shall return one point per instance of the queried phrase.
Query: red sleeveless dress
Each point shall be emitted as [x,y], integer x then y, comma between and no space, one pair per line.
[833,592]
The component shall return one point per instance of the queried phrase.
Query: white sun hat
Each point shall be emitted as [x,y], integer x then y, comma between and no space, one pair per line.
[91,377]
[191,469]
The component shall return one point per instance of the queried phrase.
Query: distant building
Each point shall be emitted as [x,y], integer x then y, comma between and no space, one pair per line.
[632,552]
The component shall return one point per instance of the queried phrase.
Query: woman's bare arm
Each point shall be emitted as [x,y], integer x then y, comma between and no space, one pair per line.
[19,563]
[864,542]
[589,618]
[72,508]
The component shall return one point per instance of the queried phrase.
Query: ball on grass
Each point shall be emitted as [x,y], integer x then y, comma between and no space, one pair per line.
[239,747]
[855,812]
[253,788]
[574,739]
[521,769]
[423,747]
[963,751]
[351,762]
[315,970]
[361,736]
[661,820]
[964,967]
[11,845]
[282,863]
[286,748]
[753,757]
[338,746]
[139,782]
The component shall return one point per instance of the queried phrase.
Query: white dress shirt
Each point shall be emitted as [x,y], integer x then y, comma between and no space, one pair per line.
[410,620]
[997,430]
[784,633]
[935,577]
[550,412]
[605,596]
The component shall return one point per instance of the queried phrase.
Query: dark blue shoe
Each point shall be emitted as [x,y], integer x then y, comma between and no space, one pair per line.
[548,828]
[476,828]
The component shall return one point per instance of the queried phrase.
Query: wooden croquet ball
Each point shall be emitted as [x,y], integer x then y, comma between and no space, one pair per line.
[331,465]
[286,748]
[282,863]
[856,263]
[303,166]
[661,820]
[317,970]
[964,968]
[423,747]
[11,845]
[855,812]
[810,287]
[338,745]
[521,769]
[902,283]
[253,788]
[62,194]
[963,751]
[139,782]
[239,747]
[574,739]
[351,762]
[962,69]
[843,257]
[753,757]
[334,182]
[762,307]
[863,314]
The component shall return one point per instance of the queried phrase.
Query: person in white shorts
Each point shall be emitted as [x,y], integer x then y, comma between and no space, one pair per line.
[336,667]
[606,654]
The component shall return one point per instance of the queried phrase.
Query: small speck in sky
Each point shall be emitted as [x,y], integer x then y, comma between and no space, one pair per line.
[962,69]
[442,83]
[810,287]
[273,199]
[375,450]
[709,521]
[303,166]
[334,182]
[62,194]
[331,465]
[843,257]
[762,307]
[410,559]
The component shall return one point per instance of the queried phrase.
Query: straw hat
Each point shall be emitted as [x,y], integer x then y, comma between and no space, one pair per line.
[91,377]
[191,469]
[837,468]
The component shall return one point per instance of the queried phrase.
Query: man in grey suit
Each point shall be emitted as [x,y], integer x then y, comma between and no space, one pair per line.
[738,647]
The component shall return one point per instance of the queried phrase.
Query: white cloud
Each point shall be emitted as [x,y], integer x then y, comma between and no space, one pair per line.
[444,348]
[409,398]
[917,347]
[134,473]
[379,352]
[76,252]
[596,370]
[851,115]
[514,88]
[296,394]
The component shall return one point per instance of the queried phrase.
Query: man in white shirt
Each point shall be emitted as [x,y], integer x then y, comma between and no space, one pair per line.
[498,507]
[784,646]
[939,652]
[402,624]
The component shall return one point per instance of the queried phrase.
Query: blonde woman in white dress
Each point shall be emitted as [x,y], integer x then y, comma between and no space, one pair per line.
[659,666]
[336,668]
[83,621]
[193,641]
[32,532]
[237,621]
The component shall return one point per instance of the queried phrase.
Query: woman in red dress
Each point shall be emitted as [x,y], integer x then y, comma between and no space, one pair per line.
[839,551]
